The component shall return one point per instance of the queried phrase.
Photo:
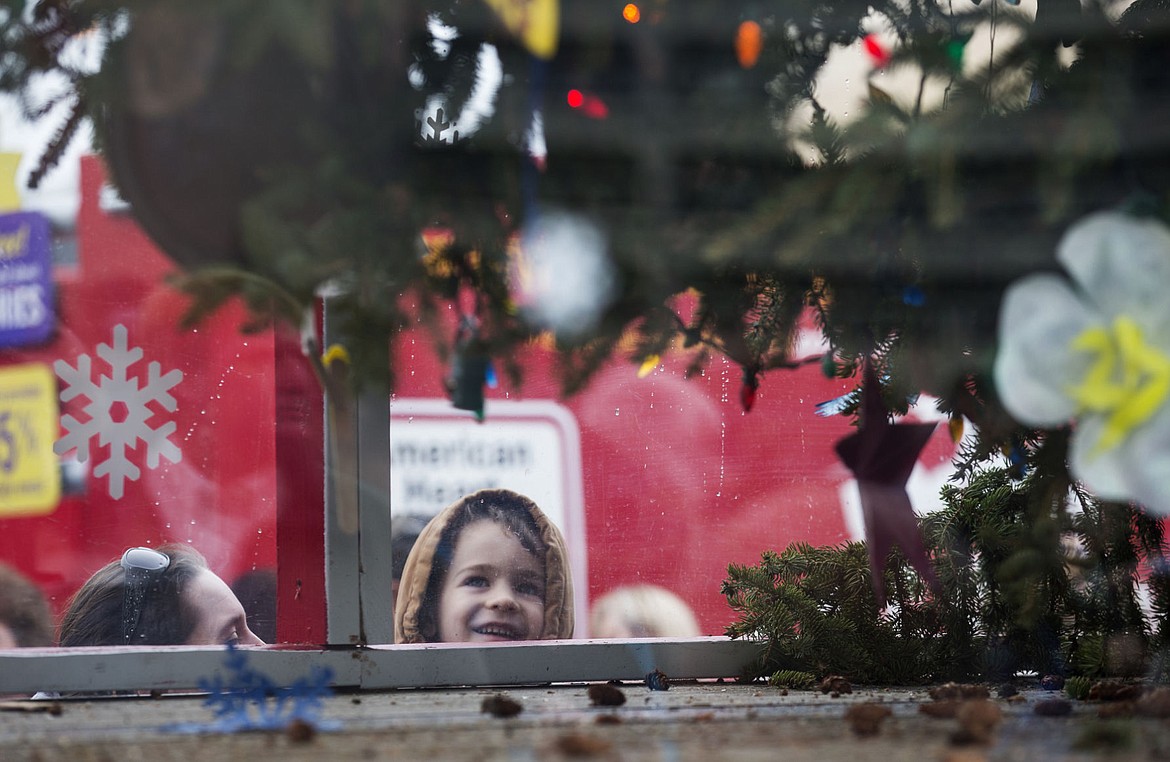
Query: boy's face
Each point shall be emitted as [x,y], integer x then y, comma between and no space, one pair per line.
[494,590]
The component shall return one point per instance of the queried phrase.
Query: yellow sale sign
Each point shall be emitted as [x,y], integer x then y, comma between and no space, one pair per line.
[30,477]
[9,197]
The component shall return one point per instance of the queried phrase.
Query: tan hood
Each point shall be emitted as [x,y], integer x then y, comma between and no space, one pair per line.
[558,602]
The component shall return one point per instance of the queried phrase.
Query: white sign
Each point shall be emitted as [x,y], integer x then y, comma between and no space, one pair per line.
[439,454]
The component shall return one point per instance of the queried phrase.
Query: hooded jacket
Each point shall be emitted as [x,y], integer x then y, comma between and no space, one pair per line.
[416,575]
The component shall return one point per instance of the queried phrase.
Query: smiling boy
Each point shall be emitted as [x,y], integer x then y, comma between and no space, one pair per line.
[489,568]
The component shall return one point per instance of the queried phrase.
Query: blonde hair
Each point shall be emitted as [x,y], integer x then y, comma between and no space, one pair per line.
[642,611]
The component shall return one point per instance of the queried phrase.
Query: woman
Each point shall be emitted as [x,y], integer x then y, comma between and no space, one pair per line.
[167,596]
[25,619]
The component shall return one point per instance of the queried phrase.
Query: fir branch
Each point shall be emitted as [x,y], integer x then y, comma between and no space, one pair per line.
[210,288]
[826,136]
[1014,601]
[59,143]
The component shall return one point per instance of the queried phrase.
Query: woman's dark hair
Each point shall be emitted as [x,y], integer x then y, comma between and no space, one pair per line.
[94,614]
[503,507]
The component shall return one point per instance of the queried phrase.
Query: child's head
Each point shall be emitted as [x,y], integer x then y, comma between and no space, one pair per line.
[642,611]
[490,567]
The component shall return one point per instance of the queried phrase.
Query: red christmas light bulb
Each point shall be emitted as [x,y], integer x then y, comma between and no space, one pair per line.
[747,392]
[877,51]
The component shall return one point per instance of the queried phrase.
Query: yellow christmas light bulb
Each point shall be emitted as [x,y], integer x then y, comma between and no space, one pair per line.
[534,22]
[955,426]
[335,352]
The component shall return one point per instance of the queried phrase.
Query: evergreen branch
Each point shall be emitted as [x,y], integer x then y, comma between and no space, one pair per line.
[1014,601]
[59,143]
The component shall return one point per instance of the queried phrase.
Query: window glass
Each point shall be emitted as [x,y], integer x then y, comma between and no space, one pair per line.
[660,471]
[653,477]
[119,426]
[634,260]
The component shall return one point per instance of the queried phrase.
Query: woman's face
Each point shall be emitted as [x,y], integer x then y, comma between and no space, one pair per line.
[218,615]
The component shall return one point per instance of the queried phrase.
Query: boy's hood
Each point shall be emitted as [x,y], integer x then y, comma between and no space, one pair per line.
[558,602]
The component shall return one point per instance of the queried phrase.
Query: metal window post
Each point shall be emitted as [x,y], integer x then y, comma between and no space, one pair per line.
[357,513]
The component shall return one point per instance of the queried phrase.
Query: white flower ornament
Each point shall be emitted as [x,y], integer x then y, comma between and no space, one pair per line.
[1095,349]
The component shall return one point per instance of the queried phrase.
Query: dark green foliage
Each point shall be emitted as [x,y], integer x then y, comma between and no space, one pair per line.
[789,678]
[815,609]
[1035,574]
[1106,737]
[1077,687]
[1159,582]
[694,174]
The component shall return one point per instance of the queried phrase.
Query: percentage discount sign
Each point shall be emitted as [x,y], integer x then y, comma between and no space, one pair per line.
[30,478]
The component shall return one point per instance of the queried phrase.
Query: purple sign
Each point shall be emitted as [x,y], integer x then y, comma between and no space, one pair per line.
[26,280]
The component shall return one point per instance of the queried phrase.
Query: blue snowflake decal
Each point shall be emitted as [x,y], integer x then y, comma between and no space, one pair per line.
[251,700]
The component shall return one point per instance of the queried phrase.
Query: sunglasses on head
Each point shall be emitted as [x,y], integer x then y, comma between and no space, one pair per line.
[142,566]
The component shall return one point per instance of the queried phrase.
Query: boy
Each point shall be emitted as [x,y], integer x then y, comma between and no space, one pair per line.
[490,567]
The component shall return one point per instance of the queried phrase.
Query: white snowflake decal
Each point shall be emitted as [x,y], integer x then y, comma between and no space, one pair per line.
[118,411]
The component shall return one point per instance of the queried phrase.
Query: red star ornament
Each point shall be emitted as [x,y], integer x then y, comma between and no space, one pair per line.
[881,456]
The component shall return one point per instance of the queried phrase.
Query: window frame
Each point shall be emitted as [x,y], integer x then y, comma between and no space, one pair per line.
[379,667]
